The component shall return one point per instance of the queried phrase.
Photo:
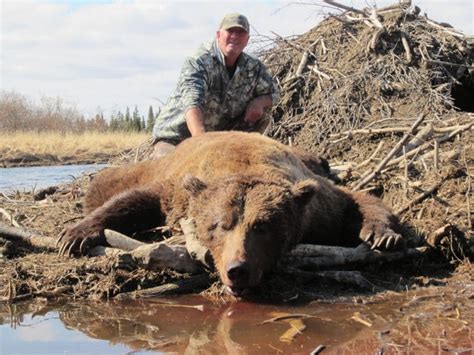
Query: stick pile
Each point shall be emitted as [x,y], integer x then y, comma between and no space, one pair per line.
[380,94]
[361,66]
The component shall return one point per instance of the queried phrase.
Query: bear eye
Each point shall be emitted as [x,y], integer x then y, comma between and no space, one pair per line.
[260,227]
[213,226]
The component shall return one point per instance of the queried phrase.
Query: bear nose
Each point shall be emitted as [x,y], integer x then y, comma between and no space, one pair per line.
[238,272]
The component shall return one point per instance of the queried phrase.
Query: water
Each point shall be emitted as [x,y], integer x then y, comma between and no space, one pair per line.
[28,178]
[416,322]
[183,325]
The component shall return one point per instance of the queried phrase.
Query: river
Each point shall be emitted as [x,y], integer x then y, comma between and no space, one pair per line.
[28,178]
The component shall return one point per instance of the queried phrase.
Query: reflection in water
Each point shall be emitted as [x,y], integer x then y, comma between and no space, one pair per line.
[27,178]
[177,325]
[193,325]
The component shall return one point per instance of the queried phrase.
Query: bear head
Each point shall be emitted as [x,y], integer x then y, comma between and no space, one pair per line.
[247,222]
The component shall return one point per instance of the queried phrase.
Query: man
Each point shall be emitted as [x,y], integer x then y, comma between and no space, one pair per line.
[219,88]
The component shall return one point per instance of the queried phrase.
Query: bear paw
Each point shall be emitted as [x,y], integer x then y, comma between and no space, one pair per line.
[78,240]
[384,240]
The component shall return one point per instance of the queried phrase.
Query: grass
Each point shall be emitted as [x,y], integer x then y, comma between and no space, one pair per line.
[68,146]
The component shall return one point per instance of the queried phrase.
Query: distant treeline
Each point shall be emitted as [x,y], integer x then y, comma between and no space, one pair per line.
[18,113]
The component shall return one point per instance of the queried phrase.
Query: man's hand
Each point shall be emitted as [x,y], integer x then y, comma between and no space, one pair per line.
[256,108]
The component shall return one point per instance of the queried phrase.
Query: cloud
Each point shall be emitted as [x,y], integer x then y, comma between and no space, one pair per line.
[113,54]
[41,332]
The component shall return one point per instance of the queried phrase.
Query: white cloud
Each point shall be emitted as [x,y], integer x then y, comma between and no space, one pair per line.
[41,332]
[113,54]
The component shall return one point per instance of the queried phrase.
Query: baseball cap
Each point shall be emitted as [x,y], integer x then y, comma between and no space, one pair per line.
[234,20]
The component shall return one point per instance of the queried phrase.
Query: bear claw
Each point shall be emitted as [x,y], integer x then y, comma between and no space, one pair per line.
[388,241]
[70,244]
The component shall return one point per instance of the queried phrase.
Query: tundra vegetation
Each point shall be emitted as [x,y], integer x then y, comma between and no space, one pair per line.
[55,132]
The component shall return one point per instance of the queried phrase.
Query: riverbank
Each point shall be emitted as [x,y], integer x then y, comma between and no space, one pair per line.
[419,305]
[20,149]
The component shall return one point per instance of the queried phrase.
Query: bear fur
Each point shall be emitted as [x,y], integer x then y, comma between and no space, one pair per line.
[252,199]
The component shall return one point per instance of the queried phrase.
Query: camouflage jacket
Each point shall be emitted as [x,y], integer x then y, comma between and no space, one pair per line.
[204,82]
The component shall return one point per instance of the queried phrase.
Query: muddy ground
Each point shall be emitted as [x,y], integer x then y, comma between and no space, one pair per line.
[26,160]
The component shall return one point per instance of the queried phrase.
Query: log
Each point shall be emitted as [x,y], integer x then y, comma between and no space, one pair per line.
[154,256]
[104,251]
[188,285]
[319,72]
[449,64]
[160,256]
[316,256]
[121,241]
[449,30]
[375,19]
[33,238]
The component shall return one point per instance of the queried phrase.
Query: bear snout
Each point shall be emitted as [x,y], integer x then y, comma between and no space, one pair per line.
[238,273]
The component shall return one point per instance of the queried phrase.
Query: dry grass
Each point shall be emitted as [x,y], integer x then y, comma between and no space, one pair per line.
[63,147]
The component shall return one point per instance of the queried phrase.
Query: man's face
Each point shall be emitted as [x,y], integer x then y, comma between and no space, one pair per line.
[232,41]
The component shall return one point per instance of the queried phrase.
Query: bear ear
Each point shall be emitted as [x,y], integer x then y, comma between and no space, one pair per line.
[303,191]
[193,185]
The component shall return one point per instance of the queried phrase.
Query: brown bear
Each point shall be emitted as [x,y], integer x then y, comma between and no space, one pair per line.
[252,198]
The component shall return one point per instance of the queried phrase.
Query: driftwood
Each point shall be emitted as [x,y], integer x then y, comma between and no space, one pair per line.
[194,247]
[436,155]
[182,286]
[448,30]
[317,256]
[132,253]
[369,176]
[160,256]
[121,241]
[445,231]
[372,156]
[33,238]
[421,137]
[406,46]
[57,292]
[368,130]
[302,65]
[9,217]
[427,145]
[344,7]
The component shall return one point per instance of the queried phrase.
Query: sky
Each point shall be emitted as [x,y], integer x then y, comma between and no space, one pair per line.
[100,56]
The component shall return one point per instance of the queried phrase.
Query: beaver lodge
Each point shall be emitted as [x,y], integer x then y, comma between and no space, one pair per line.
[385,95]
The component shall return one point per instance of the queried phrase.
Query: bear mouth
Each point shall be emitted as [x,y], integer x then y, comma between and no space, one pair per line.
[238,291]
